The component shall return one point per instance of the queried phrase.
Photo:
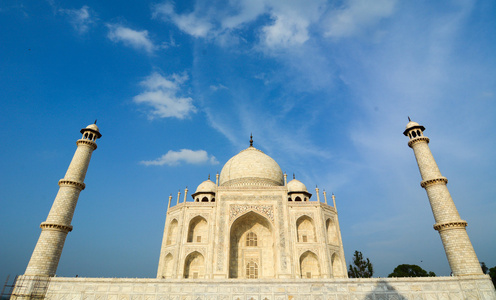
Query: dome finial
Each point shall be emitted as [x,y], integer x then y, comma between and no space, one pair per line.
[251,140]
[293,175]
[208,176]
[409,120]
[95,122]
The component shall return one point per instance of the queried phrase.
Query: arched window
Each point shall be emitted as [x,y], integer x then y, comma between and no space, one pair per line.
[251,239]
[298,199]
[213,200]
[252,270]
[289,199]
[204,199]
[414,134]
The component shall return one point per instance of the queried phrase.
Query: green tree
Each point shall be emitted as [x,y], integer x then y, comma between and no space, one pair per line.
[410,271]
[492,274]
[360,268]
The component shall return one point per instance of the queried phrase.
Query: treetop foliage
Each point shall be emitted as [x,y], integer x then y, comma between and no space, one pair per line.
[360,268]
[406,270]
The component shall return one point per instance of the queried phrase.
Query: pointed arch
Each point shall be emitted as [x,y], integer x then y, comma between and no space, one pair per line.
[172,233]
[305,230]
[197,230]
[332,234]
[243,249]
[337,266]
[309,265]
[168,266]
[194,265]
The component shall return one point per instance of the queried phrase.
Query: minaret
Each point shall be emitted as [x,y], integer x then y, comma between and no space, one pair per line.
[459,251]
[46,254]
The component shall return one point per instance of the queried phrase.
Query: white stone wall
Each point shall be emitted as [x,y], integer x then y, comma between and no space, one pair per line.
[421,288]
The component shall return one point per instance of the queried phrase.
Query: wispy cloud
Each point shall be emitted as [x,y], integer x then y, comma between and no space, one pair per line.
[136,39]
[355,16]
[81,19]
[289,23]
[173,158]
[218,87]
[162,95]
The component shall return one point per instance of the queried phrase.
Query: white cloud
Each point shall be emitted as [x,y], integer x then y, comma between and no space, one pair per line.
[173,158]
[130,37]
[81,19]
[286,31]
[161,94]
[356,16]
[190,23]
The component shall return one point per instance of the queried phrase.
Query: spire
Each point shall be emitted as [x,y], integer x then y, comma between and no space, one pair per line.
[409,120]
[293,175]
[95,121]
[251,140]
[208,176]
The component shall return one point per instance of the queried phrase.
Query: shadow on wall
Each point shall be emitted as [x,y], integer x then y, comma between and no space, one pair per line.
[384,291]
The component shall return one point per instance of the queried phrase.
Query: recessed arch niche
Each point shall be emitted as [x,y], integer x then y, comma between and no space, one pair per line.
[194,265]
[305,230]
[309,265]
[332,236]
[172,233]
[337,266]
[198,230]
[168,264]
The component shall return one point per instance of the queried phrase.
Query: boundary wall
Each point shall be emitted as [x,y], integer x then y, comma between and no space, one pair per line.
[422,288]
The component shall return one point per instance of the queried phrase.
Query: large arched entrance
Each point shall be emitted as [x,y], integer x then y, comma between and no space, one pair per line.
[251,248]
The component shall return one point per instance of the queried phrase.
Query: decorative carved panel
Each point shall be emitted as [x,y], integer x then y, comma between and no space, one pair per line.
[239,209]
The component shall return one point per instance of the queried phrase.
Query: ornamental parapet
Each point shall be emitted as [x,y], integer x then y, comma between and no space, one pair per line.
[78,185]
[64,228]
[450,225]
[429,182]
[89,143]
[418,140]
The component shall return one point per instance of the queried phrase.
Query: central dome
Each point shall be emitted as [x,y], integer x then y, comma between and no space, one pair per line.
[251,167]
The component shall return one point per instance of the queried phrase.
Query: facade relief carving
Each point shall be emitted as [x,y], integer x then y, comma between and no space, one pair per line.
[239,209]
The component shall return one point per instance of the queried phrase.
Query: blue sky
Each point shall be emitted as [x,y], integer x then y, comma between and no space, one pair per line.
[177,88]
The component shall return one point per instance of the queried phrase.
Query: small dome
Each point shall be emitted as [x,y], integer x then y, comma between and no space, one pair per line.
[251,167]
[296,186]
[93,127]
[411,124]
[207,186]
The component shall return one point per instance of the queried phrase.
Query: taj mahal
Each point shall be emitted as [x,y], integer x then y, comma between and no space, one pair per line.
[252,223]
[252,234]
